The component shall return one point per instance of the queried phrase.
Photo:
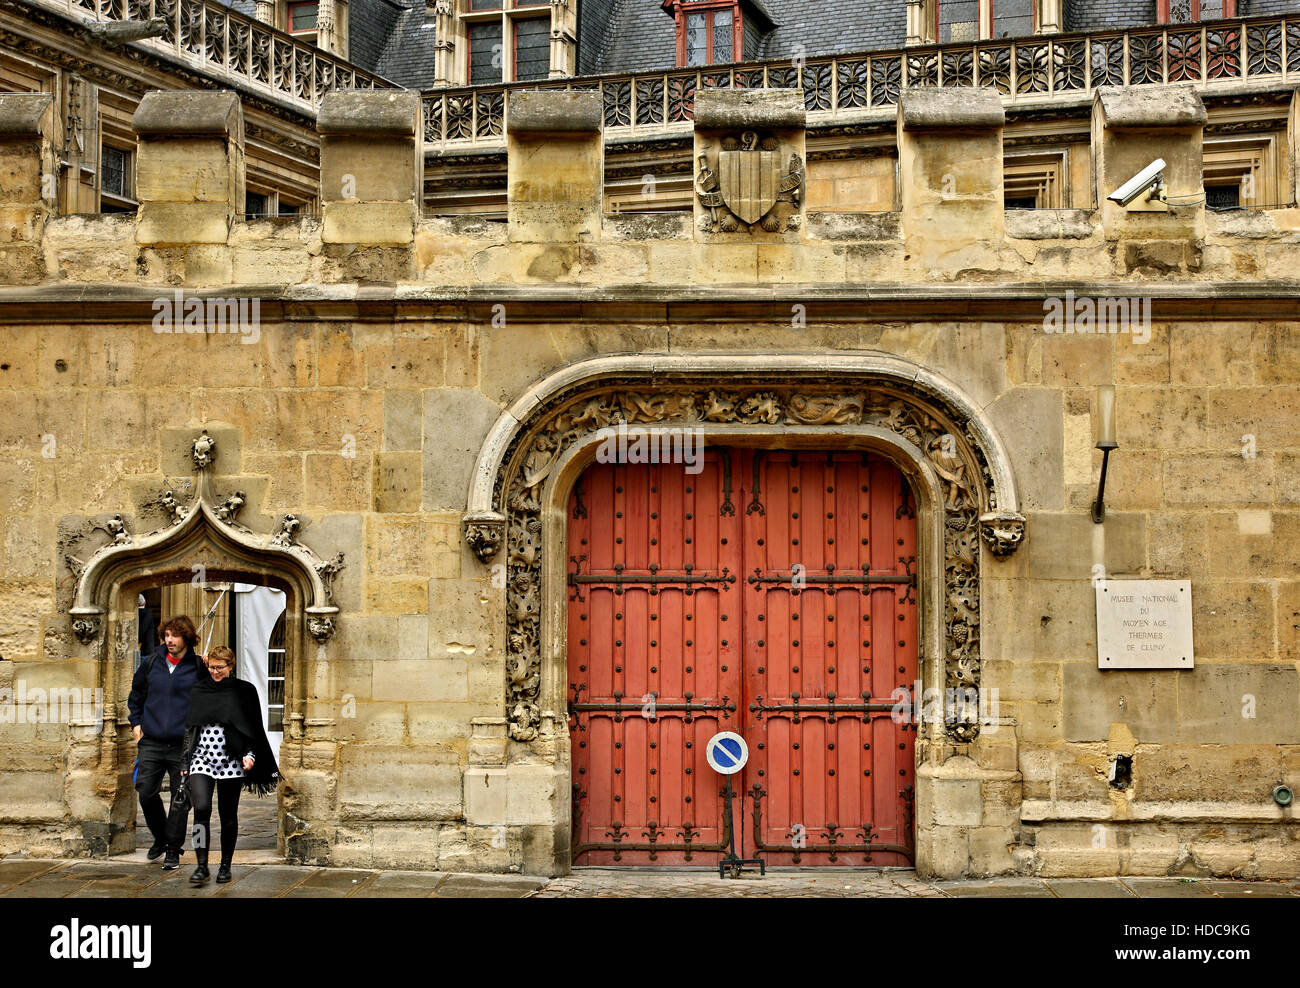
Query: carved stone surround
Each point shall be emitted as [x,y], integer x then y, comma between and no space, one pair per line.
[958,450]
[94,586]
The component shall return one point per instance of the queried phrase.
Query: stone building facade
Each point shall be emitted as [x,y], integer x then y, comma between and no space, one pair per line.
[396,433]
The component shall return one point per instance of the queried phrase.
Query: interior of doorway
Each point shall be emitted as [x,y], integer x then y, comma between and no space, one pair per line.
[249,618]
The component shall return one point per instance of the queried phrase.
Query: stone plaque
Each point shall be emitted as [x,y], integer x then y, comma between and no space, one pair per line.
[1144,624]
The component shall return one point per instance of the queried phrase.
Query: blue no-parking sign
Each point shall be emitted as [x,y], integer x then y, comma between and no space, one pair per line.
[727,752]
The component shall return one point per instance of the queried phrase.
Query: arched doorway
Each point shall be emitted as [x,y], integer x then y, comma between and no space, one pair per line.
[965,501]
[767,592]
[245,611]
[201,541]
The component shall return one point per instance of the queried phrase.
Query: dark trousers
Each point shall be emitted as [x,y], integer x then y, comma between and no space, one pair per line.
[227,810]
[158,758]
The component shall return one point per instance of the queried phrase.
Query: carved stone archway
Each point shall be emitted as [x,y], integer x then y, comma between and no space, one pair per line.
[95,576]
[769,395]
[205,532]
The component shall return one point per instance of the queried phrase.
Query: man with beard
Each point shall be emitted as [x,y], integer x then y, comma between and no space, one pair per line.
[159,704]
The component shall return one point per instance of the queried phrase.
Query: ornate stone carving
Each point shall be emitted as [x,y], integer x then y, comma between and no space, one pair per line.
[1002,531]
[327,570]
[86,629]
[321,628]
[747,184]
[75,566]
[95,576]
[175,510]
[484,534]
[919,418]
[204,451]
[834,410]
[114,34]
[116,529]
[228,510]
[287,534]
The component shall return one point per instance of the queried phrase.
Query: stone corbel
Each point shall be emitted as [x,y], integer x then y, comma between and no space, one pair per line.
[86,622]
[484,532]
[1003,531]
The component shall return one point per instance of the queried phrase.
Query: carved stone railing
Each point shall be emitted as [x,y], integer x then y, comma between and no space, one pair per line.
[1028,70]
[215,39]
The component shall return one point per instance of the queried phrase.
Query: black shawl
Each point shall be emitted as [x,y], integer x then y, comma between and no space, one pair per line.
[234,704]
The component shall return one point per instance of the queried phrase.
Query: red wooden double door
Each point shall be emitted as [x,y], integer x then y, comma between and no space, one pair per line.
[771,593]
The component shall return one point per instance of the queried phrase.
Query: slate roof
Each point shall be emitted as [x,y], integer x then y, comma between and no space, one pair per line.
[395,38]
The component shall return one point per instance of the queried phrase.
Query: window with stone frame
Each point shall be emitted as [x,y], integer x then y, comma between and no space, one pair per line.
[709,32]
[506,40]
[1036,179]
[1187,11]
[116,179]
[1248,171]
[300,20]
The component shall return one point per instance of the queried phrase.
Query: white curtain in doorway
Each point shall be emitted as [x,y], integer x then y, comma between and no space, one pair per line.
[258,609]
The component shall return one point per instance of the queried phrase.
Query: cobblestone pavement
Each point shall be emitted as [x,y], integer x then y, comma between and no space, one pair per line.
[258,874]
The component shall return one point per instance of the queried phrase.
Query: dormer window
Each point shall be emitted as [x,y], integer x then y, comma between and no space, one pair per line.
[714,32]
[1187,11]
[302,20]
[507,40]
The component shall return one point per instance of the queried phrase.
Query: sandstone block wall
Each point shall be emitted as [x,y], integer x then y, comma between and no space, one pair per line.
[379,367]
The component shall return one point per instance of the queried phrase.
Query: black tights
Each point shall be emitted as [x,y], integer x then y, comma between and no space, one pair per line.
[227,810]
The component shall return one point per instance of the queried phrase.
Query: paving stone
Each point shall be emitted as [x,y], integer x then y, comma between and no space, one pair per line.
[344,880]
[997,890]
[13,872]
[1166,888]
[97,890]
[496,881]
[177,886]
[262,881]
[394,892]
[1089,888]
[405,879]
[1253,890]
[45,887]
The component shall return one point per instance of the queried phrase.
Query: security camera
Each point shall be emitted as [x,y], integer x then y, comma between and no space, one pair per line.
[1149,179]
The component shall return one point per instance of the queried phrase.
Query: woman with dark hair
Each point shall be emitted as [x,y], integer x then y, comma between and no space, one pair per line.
[226,749]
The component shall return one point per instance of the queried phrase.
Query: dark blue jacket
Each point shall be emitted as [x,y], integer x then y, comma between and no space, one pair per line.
[160,700]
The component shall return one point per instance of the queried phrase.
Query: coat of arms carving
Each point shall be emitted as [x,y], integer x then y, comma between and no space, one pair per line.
[749,181]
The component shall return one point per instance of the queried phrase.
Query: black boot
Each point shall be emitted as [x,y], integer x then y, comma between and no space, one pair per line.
[201,872]
[223,873]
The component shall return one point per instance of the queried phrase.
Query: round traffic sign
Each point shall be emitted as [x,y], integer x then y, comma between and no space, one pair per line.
[727,752]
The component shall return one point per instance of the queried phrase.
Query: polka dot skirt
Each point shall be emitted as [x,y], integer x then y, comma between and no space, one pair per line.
[210,755]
